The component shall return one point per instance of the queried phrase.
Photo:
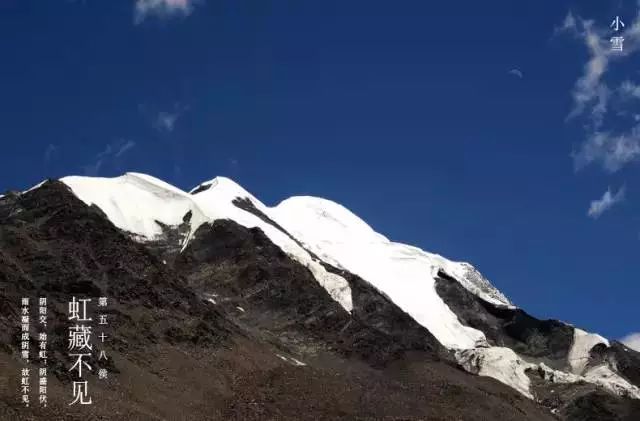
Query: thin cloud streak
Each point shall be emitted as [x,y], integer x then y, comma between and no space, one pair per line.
[606,202]
[611,151]
[516,72]
[166,121]
[162,9]
[50,152]
[124,148]
[112,152]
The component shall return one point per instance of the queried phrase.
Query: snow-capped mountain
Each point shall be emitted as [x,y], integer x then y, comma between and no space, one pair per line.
[314,280]
[315,231]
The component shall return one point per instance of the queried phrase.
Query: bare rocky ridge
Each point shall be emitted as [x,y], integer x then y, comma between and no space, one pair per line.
[232,327]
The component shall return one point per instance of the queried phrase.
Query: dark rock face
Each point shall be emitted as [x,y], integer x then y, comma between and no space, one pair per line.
[52,245]
[597,406]
[201,188]
[546,340]
[243,266]
[623,358]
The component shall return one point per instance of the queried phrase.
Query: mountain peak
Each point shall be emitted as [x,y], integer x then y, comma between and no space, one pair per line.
[451,300]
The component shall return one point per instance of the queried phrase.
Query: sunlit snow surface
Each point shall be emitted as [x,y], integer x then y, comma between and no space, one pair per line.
[404,273]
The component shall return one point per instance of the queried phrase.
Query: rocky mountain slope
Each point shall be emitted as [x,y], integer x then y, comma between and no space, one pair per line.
[225,308]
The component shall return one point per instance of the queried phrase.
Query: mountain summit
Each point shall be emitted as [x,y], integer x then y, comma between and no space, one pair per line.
[309,295]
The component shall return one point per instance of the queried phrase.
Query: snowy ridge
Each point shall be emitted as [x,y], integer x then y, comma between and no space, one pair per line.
[136,202]
[317,222]
[472,280]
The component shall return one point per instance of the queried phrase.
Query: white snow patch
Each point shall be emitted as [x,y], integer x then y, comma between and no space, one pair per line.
[601,375]
[607,378]
[632,341]
[134,202]
[404,273]
[210,297]
[291,360]
[579,352]
[298,362]
[502,364]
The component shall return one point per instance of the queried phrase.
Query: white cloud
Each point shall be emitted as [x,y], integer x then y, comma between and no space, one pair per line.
[611,151]
[50,152]
[516,72]
[629,89]
[589,93]
[606,202]
[110,154]
[162,9]
[632,341]
[125,147]
[592,96]
[166,121]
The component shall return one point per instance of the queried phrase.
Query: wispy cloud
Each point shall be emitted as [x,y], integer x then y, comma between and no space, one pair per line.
[606,202]
[516,72]
[125,147]
[632,341]
[166,121]
[50,152]
[590,94]
[162,9]
[177,171]
[612,149]
[108,155]
[629,89]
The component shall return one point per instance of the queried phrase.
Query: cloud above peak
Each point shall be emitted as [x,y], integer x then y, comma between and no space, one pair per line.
[606,202]
[162,9]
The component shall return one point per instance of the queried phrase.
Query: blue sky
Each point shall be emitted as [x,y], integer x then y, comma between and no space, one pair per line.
[485,131]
